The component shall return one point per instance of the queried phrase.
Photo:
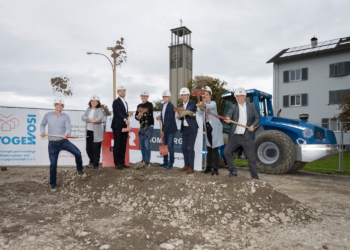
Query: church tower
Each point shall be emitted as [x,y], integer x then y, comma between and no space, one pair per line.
[180,61]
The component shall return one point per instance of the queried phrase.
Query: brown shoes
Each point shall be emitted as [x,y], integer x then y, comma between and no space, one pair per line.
[125,166]
[184,168]
[119,167]
[189,171]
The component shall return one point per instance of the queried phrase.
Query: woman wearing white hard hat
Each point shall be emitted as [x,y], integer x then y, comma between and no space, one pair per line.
[214,131]
[94,118]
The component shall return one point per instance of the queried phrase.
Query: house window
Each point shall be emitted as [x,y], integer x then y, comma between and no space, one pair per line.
[325,123]
[339,69]
[295,75]
[335,95]
[295,100]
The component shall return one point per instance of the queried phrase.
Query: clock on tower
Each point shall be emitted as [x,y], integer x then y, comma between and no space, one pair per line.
[180,61]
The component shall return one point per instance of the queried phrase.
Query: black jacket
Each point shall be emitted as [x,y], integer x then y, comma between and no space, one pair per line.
[147,117]
[119,114]
[253,118]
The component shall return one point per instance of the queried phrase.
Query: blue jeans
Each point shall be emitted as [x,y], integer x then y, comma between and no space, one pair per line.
[145,135]
[169,140]
[54,150]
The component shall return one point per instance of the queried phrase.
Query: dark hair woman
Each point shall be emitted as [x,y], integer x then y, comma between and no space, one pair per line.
[94,118]
[214,132]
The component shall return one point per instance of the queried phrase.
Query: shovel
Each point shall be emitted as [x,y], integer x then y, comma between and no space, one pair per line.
[224,118]
[68,137]
[198,93]
[163,150]
[127,129]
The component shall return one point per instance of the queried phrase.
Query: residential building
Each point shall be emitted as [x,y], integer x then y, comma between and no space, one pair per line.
[308,80]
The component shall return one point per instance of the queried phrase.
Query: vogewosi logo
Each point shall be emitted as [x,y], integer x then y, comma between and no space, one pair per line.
[11,123]
[7,123]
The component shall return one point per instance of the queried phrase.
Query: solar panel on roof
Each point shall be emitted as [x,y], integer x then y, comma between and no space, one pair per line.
[309,49]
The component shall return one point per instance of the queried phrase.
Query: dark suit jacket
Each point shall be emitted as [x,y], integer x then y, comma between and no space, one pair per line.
[119,114]
[192,122]
[169,126]
[253,118]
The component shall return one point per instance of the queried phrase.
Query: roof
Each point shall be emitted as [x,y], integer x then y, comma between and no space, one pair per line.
[181,30]
[308,50]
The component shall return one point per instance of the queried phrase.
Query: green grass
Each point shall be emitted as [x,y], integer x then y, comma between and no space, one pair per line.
[328,166]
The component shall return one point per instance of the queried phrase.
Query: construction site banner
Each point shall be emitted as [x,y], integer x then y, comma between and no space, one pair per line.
[20,141]
[156,141]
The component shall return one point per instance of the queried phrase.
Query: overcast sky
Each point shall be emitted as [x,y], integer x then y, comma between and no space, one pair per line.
[232,41]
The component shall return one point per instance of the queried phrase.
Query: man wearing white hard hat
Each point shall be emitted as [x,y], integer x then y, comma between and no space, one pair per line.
[189,129]
[94,117]
[146,127]
[245,113]
[59,124]
[167,116]
[120,121]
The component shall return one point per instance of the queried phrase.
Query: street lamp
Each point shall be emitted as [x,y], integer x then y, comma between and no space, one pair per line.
[114,55]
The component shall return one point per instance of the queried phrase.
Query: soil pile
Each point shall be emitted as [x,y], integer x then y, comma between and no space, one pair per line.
[180,199]
[62,85]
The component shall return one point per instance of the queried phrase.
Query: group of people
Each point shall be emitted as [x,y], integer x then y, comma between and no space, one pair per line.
[242,112]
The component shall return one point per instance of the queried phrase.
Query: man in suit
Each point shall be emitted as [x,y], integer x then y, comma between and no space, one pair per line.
[247,114]
[189,128]
[120,121]
[169,128]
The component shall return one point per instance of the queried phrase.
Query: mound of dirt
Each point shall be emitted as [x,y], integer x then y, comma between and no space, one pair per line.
[183,200]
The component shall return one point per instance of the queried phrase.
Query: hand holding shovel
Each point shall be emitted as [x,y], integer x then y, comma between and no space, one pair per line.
[179,110]
[127,129]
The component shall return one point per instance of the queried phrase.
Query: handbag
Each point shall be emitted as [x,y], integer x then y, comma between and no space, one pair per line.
[209,127]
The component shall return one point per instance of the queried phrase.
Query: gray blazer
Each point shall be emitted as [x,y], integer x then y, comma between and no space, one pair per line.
[253,118]
[98,128]
[217,138]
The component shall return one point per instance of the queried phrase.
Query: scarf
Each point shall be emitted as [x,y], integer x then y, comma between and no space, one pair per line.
[208,116]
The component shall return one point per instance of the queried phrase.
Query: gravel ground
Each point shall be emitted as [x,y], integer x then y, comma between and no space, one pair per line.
[156,208]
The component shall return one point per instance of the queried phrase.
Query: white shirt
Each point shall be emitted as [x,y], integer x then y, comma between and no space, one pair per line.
[242,118]
[90,126]
[185,106]
[125,105]
[163,111]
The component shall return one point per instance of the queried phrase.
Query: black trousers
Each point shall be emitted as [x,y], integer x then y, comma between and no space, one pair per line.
[120,139]
[249,150]
[93,149]
[212,152]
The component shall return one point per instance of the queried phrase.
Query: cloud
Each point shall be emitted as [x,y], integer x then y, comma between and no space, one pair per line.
[232,41]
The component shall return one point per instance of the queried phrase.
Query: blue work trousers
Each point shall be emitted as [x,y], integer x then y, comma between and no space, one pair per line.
[145,135]
[54,150]
[188,141]
[169,141]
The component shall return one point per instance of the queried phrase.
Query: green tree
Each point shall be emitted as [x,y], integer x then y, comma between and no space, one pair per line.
[157,105]
[344,107]
[199,82]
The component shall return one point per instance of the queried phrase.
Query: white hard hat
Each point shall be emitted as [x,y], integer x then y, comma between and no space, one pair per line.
[95,97]
[184,91]
[208,89]
[240,91]
[144,93]
[121,87]
[58,100]
[166,93]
